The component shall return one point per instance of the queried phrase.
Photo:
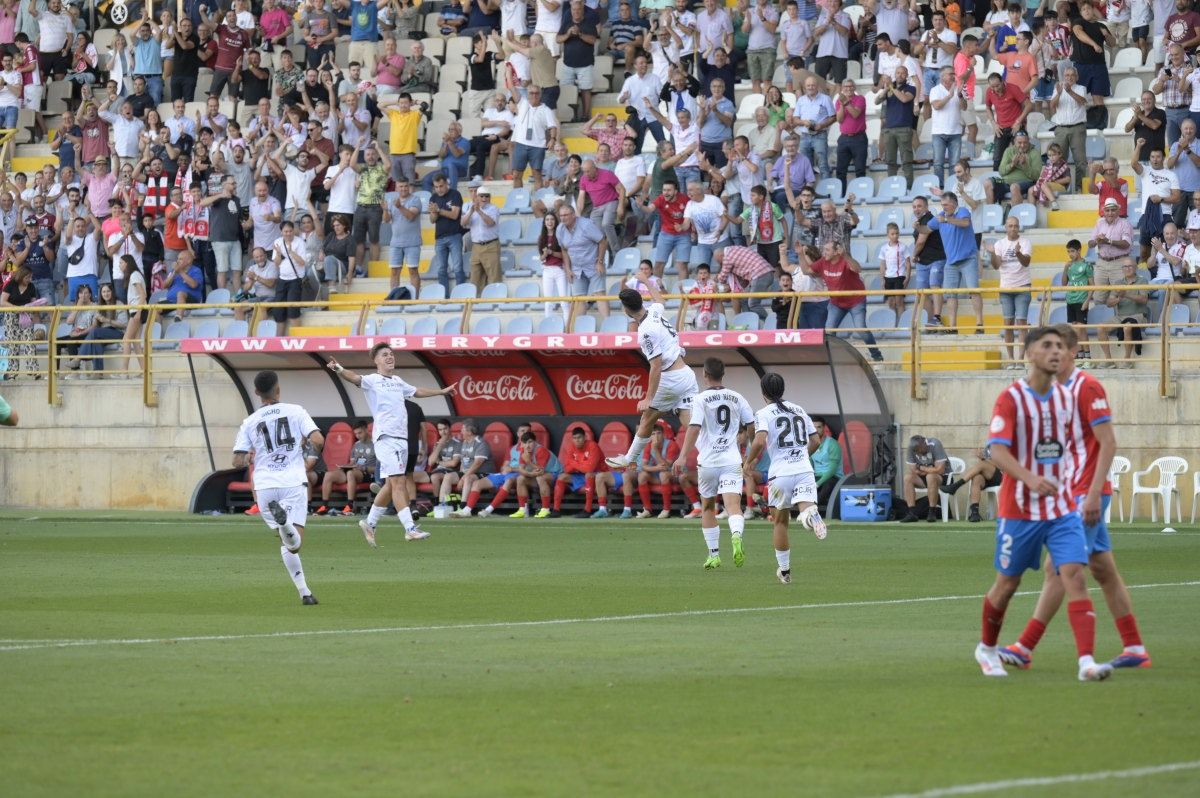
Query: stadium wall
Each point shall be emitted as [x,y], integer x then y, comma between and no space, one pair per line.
[102,449]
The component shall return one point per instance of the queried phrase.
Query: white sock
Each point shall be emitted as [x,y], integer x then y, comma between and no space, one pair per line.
[1139,650]
[713,538]
[291,561]
[288,532]
[375,514]
[737,524]
[636,448]
[1086,661]
[784,558]
[406,519]
[696,505]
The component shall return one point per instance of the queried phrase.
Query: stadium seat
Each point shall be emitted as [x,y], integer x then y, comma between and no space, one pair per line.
[923,186]
[508,261]
[529,236]
[857,444]
[500,440]
[551,325]
[585,324]
[528,290]
[485,325]
[616,323]
[426,325]
[517,201]
[1128,88]
[614,439]
[894,215]
[452,326]
[1026,214]
[338,443]
[460,291]
[209,328]
[863,228]
[1179,316]
[747,320]
[1100,314]
[829,187]
[875,284]
[176,332]
[626,261]
[218,296]
[237,328]
[1129,59]
[859,251]
[430,292]
[369,327]
[519,325]
[904,324]
[510,231]
[891,189]
[882,321]
[529,262]
[1058,315]
[493,291]
[990,219]
[863,189]
[393,326]
[540,433]
[266,329]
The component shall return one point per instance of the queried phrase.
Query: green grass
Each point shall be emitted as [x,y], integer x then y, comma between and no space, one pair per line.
[799,700]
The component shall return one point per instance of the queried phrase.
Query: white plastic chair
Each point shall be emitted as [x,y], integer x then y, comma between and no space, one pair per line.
[991,501]
[1120,465]
[1195,493]
[1168,469]
[957,467]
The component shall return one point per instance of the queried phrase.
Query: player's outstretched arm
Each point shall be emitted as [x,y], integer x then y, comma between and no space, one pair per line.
[655,294]
[343,372]
[425,393]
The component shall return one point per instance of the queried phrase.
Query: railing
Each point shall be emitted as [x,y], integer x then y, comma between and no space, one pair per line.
[913,348]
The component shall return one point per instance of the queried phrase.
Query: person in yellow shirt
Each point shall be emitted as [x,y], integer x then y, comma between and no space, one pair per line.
[402,145]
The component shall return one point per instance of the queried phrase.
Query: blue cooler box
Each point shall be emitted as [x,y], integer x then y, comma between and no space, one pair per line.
[866,503]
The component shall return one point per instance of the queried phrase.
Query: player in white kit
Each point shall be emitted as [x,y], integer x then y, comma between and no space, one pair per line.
[672,384]
[385,394]
[718,415]
[789,437]
[276,433]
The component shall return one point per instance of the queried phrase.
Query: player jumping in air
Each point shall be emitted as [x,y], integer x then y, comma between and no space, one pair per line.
[790,438]
[276,433]
[1033,441]
[672,384]
[1094,447]
[718,415]
[386,394]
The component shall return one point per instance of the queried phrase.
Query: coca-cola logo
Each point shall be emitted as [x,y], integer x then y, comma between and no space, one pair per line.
[504,389]
[473,353]
[614,387]
[576,353]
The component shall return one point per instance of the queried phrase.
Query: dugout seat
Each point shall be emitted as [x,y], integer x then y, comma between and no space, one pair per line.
[856,444]
[615,439]
[338,443]
[500,439]
[540,432]
[568,433]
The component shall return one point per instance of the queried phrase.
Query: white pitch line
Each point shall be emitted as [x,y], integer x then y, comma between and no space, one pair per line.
[643,616]
[1047,781]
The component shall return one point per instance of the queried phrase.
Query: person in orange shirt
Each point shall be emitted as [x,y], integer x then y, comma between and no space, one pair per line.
[1020,67]
[581,461]
[953,15]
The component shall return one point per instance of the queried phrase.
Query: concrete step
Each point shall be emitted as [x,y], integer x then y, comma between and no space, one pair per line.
[945,360]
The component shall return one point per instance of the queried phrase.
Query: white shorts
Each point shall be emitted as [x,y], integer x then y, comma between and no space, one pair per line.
[33,97]
[675,390]
[716,480]
[786,490]
[392,455]
[293,500]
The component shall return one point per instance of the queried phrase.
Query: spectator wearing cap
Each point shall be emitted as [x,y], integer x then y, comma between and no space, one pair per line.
[482,219]
[1112,237]
[33,252]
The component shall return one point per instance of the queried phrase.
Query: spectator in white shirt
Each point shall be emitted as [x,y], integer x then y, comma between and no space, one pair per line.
[535,130]
[1011,256]
[482,218]
[946,105]
[1068,108]
[126,128]
[833,42]
[640,86]
[895,260]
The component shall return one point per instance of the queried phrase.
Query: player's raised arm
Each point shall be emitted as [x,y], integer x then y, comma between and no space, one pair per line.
[655,294]
[425,393]
[343,372]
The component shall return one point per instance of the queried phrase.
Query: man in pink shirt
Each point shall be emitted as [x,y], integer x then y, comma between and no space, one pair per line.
[852,124]
[605,192]
[99,184]
[964,71]
[1112,237]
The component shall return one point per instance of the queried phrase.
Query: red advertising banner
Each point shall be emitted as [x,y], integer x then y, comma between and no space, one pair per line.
[599,391]
[485,391]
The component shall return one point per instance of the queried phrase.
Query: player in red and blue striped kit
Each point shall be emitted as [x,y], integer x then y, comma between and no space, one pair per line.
[1095,445]
[1032,438]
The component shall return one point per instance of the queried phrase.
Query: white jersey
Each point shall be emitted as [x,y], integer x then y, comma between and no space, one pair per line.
[385,397]
[719,413]
[788,430]
[658,338]
[276,434]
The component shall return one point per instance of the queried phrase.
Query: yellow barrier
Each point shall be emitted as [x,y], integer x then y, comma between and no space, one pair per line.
[918,350]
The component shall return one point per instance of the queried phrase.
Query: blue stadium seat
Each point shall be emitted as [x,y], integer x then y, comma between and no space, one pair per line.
[529,262]
[485,325]
[426,325]
[510,231]
[515,202]
[891,189]
[452,326]
[830,187]
[883,322]
[990,219]
[209,328]
[616,323]
[888,215]
[923,186]
[393,326]
[551,325]
[493,291]
[626,261]
[904,323]
[1179,316]
[430,292]
[238,328]
[875,284]
[530,291]
[585,324]
[266,329]
[863,189]
[1026,214]
[460,291]
[1058,315]
[519,325]
[859,251]
[529,237]
[748,320]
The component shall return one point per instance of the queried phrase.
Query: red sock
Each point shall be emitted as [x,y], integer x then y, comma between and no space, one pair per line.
[560,490]
[665,492]
[1083,623]
[692,494]
[522,501]
[993,619]
[1032,634]
[501,495]
[644,492]
[749,500]
[1128,628]
[628,501]
[589,492]
[472,497]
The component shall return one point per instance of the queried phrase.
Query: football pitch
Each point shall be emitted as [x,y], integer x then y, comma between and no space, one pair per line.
[151,654]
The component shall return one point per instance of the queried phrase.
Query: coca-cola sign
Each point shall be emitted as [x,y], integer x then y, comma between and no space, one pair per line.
[489,391]
[507,388]
[614,387]
[592,391]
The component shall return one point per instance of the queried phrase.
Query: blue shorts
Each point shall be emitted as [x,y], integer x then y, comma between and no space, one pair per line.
[498,480]
[523,155]
[1094,78]
[1097,535]
[679,244]
[929,275]
[618,478]
[1019,543]
[578,482]
[702,253]
[405,256]
[961,274]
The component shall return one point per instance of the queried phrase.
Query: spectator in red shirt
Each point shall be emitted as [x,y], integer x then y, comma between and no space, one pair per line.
[606,194]
[1108,184]
[672,238]
[1008,107]
[232,42]
[841,273]
[581,461]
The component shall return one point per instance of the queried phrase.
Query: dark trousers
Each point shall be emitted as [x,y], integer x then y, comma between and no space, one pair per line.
[313,55]
[1004,139]
[654,127]
[851,147]
[481,147]
[714,153]
[220,80]
[183,87]
[550,97]
[831,68]
[207,263]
